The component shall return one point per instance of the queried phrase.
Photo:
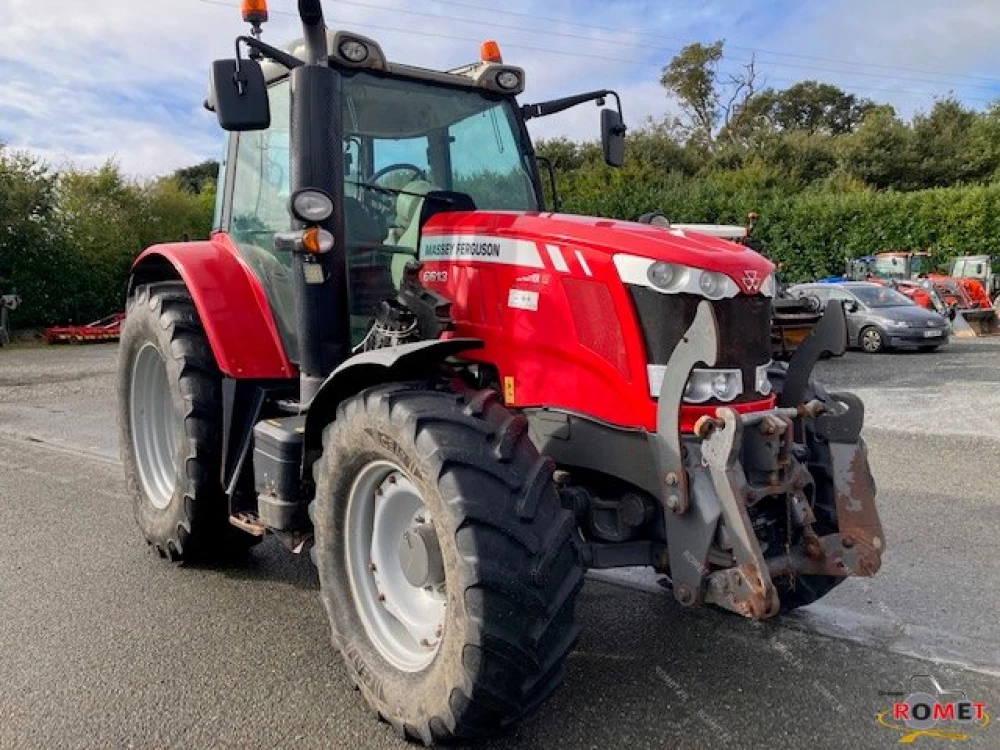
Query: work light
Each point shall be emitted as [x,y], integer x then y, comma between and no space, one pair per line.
[354,51]
[312,206]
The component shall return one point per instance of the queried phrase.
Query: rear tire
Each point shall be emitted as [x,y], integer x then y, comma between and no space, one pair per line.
[506,546]
[871,340]
[170,425]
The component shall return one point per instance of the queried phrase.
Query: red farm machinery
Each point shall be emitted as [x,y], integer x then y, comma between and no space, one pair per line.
[389,353]
[99,332]
[962,298]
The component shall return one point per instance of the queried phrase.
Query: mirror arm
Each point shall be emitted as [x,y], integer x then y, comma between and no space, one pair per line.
[544,109]
[272,53]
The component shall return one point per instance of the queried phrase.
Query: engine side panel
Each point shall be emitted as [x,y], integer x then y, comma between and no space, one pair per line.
[559,325]
[231,303]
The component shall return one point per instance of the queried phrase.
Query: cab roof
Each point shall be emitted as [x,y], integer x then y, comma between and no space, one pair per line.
[481,75]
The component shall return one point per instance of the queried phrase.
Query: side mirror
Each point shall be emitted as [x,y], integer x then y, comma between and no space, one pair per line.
[851,306]
[613,137]
[239,93]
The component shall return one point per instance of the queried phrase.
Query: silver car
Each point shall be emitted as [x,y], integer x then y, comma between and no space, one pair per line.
[881,318]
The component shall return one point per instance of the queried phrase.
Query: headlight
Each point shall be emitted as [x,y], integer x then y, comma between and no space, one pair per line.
[762,384]
[674,278]
[702,386]
[312,206]
[354,51]
[664,275]
[508,80]
[705,385]
[897,324]
[713,285]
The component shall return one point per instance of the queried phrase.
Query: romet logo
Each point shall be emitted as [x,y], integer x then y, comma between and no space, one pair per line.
[947,714]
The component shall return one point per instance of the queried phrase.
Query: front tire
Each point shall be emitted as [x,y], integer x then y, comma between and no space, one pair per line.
[477,637]
[170,426]
[872,340]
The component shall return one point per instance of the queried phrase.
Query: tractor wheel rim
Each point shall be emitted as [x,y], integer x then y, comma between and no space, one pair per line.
[404,622]
[872,341]
[153,422]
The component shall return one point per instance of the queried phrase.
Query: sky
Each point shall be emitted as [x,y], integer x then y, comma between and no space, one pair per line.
[85,82]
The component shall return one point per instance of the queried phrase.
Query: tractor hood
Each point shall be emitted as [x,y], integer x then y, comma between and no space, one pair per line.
[605,236]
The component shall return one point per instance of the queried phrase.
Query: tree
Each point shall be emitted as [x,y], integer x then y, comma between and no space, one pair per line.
[196,178]
[942,140]
[816,107]
[881,151]
[691,77]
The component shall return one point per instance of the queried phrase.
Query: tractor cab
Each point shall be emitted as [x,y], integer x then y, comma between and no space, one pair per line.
[413,143]
[901,266]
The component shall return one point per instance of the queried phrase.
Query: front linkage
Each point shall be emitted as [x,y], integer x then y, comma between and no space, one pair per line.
[755,502]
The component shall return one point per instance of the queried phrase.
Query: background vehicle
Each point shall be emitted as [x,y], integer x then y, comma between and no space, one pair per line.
[968,305]
[100,331]
[461,437]
[793,318]
[981,268]
[881,318]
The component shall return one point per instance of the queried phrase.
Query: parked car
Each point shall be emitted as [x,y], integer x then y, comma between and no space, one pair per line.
[879,317]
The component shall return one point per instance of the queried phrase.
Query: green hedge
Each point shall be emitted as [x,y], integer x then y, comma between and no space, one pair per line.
[67,239]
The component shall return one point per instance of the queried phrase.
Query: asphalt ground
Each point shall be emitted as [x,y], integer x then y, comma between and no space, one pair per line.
[102,644]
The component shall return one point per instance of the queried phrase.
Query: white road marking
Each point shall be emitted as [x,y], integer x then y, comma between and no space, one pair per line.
[880,633]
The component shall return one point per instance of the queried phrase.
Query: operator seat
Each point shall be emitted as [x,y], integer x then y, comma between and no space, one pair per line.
[405,231]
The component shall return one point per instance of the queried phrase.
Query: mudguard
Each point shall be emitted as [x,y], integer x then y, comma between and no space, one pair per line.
[405,362]
[230,300]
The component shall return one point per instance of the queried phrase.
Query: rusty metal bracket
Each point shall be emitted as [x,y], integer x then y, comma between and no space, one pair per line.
[746,588]
[853,485]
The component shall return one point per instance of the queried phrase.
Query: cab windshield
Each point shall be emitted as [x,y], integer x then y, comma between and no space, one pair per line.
[403,138]
[899,266]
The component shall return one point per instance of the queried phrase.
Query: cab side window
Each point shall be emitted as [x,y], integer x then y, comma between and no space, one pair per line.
[261,187]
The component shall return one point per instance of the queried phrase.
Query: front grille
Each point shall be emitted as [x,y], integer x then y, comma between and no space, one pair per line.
[744,328]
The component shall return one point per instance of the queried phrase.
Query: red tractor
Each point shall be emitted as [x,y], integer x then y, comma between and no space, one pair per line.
[388,350]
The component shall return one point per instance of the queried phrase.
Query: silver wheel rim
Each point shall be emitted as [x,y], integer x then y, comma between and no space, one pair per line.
[153,423]
[404,622]
[872,341]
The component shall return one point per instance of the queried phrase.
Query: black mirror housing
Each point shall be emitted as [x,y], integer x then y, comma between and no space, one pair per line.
[613,137]
[240,93]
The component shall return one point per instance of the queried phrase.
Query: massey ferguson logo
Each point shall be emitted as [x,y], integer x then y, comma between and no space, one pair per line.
[751,281]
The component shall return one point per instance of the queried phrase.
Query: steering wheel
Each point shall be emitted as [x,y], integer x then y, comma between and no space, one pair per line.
[418,173]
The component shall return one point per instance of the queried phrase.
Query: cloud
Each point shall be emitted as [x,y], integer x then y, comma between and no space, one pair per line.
[124,80]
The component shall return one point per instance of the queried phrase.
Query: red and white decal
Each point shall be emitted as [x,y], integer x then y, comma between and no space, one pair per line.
[481,249]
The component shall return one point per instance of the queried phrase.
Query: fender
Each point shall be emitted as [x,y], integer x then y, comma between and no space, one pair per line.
[230,300]
[395,363]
